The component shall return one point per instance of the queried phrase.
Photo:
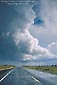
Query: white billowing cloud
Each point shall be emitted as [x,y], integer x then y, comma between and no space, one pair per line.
[28,57]
[25,42]
[53,47]
[29,46]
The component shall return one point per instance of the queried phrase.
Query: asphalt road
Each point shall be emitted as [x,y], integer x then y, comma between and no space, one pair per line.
[20,76]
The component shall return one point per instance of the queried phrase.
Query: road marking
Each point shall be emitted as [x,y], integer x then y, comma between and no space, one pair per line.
[35,79]
[5,76]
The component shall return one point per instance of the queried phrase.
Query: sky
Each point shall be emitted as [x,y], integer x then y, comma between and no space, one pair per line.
[28,32]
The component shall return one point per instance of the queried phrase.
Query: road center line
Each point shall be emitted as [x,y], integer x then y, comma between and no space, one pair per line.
[35,79]
[5,76]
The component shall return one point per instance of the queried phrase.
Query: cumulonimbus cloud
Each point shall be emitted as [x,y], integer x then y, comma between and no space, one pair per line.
[25,42]
[23,45]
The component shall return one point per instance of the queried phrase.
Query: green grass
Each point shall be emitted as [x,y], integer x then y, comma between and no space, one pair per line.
[51,69]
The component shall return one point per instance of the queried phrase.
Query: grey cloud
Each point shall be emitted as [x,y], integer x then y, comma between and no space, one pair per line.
[48,13]
[53,47]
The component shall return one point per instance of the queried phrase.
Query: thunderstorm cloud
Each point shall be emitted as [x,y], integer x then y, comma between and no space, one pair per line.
[24,28]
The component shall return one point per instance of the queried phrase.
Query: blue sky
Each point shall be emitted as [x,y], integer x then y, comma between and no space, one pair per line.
[28,33]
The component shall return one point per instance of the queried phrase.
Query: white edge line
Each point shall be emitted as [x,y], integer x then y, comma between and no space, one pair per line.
[35,79]
[5,76]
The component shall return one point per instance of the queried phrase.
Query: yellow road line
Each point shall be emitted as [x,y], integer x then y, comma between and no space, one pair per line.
[35,79]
